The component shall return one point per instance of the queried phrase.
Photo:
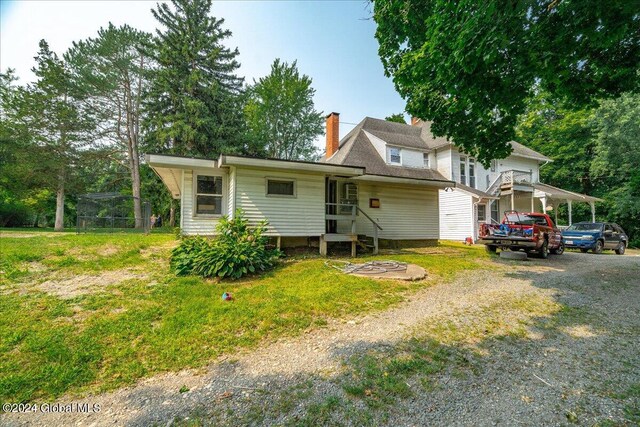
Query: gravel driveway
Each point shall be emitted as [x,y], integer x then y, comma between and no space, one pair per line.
[578,372]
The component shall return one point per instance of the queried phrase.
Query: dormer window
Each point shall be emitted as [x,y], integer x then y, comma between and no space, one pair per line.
[394,156]
[425,160]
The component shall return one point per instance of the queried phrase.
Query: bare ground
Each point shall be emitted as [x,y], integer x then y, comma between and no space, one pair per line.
[569,369]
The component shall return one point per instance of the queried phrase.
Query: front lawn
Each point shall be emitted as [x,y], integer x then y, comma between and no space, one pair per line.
[87,313]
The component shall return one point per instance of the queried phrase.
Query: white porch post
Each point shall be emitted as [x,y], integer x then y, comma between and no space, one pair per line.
[570,220]
[533,208]
[512,201]
[593,211]
[543,200]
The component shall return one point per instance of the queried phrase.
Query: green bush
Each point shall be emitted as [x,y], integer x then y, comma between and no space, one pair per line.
[237,250]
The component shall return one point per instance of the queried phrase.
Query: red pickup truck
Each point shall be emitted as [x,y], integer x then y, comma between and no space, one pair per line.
[531,232]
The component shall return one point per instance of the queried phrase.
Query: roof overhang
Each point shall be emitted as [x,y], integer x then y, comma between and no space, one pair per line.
[165,161]
[555,193]
[410,181]
[169,169]
[226,160]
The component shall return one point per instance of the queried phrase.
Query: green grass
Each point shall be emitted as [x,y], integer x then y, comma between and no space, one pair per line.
[153,321]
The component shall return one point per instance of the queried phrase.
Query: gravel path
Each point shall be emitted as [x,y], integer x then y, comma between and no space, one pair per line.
[536,382]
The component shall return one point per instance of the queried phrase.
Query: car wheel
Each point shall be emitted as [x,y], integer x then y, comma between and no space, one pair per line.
[544,250]
[491,248]
[559,250]
[597,249]
[621,248]
[584,250]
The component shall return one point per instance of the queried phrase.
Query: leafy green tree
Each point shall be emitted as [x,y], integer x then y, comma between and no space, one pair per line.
[112,70]
[194,103]
[470,66]
[281,116]
[396,118]
[565,135]
[58,128]
[617,161]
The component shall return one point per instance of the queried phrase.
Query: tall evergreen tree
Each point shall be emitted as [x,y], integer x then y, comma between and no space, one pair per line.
[281,116]
[112,71]
[59,128]
[194,98]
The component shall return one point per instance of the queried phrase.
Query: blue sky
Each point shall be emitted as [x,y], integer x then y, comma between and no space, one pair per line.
[333,42]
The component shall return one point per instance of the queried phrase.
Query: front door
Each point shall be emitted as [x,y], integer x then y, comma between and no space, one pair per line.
[331,198]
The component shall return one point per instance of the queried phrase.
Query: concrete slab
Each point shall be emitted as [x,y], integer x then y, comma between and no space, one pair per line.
[387,270]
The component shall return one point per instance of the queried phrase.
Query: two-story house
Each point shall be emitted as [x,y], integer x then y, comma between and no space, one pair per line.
[479,195]
[383,180]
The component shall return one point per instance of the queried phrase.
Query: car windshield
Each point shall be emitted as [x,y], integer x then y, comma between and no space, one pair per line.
[524,219]
[585,227]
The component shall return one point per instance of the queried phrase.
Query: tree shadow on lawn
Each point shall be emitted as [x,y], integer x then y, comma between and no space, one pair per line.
[575,364]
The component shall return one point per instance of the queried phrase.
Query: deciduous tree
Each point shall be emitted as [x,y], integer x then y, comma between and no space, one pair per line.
[470,66]
[281,116]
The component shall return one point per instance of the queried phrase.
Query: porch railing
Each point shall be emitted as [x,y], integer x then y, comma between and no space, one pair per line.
[513,177]
[332,214]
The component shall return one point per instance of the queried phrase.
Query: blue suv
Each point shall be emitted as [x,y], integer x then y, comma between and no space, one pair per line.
[596,236]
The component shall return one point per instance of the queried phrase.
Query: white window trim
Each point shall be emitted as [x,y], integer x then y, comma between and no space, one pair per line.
[399,155]
[194,209]
[426,162]
[284,196]
[463,162]
[472,161]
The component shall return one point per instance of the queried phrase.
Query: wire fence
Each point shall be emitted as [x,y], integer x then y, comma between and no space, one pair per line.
[111,212]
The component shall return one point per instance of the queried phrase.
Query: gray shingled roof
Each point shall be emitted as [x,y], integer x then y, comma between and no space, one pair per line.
[357,150]
[418,137]
[475,191]
[521,150]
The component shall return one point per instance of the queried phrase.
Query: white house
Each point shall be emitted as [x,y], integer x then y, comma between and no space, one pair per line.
[383,180]
[483,194]
[362,189]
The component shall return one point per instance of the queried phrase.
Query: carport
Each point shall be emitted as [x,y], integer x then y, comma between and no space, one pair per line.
[552,197]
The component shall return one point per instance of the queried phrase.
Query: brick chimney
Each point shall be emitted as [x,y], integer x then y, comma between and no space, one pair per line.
[333,134]
[415,121]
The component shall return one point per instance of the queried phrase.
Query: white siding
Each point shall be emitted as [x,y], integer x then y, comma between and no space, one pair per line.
[412,158]
[379,145]
[520,164]
[191,223]
[231,204]
[443,162]
[405,213]
[456,215]
[287,216]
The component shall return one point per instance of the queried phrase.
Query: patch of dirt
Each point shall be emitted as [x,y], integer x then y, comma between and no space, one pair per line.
[86,284]
[108,250]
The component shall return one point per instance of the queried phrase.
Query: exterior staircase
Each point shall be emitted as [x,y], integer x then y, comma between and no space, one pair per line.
[352,236]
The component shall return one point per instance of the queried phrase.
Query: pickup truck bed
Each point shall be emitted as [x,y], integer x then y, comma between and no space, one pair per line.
[531,232]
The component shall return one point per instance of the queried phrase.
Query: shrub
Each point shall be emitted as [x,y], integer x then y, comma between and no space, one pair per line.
[237,250]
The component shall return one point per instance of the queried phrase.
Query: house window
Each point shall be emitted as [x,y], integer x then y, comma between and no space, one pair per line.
[494,211]
[494,165]
[472,173]
[208,195]
[482,213]
[425,160]
[394,156]
[281,187]
[463,170]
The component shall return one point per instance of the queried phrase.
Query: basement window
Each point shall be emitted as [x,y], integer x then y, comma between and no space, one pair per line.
[281,187]
[208,195]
